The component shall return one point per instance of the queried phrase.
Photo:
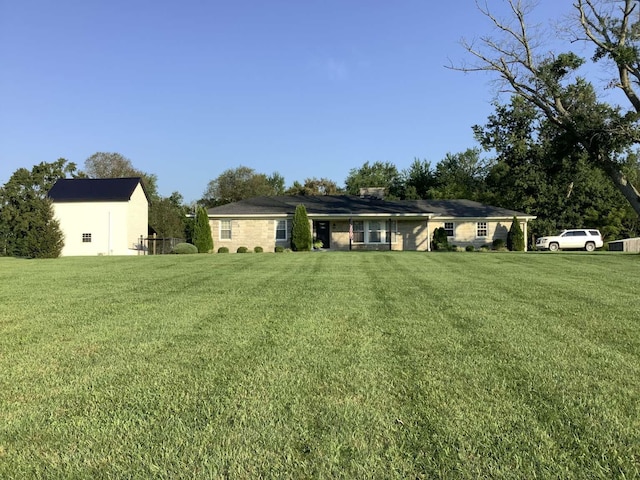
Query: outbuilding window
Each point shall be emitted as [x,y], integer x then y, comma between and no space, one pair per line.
[86,238]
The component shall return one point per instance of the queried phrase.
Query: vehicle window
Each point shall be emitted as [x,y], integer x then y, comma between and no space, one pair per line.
[580,234]
[594,232]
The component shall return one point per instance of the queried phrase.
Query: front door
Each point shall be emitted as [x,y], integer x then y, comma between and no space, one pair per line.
[323,233]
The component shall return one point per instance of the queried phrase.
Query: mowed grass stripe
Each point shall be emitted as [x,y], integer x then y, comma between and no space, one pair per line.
[387,365]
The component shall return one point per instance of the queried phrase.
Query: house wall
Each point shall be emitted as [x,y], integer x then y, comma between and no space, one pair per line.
[250,233]
[411,235]
[465,232]
[115,227]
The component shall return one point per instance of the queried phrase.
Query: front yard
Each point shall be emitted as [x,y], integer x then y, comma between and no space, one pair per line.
[321,365]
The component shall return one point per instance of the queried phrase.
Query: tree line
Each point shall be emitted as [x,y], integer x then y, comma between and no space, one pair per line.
[558,148]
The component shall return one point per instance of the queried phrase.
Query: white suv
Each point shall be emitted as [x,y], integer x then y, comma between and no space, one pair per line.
[580,238]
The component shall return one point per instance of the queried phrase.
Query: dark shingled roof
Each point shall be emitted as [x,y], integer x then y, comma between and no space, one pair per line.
[95,189]
[354,205]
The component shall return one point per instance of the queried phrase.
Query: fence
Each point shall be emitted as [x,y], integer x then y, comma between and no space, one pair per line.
[161,246]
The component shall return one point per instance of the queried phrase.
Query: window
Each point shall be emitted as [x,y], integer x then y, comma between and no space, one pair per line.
[482,229]
[449,228]
[375,232]
[281,229]
[358,232]
[86,238]
[225,229]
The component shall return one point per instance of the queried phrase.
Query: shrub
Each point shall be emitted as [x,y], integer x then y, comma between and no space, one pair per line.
[184,248]
[202,232]
[258,249]
[440,241]
[279,249]
[242,250]
[515,237]
[300,231]
[470,248]
[498,244]
[223,250]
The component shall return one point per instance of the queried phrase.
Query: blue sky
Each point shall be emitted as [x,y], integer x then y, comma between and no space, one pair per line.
[186,90]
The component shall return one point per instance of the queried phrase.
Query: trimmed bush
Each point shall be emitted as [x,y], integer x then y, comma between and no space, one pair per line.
[470,248]
[498,244]
[242,250]
[184,248]
[515,237]
[440,242]
[300,231]
[279,249]
[223,250]
[258,249]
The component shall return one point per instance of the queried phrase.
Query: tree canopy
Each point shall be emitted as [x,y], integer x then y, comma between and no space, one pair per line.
[27,224]
[236,184]
[314,186]
[115,165]
[605,133]
[377,174]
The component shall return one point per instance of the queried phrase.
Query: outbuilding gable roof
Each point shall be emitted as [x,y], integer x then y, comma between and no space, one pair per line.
[95,189]
[352,205]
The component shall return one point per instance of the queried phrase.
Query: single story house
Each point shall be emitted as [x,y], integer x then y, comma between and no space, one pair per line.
[364,222]
[101,216]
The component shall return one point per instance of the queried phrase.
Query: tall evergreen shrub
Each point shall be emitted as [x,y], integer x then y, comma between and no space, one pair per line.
[300,231]
[202,232]
[515,237]
[440,241]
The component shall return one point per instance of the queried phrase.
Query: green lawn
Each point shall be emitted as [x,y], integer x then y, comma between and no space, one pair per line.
[321,365]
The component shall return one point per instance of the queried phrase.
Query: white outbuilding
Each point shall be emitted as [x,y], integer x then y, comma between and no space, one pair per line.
[101,216]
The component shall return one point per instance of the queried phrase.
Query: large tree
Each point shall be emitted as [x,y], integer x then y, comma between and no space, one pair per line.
[115,165]
[27,224]
[549,81]
[377,174]
[459,175]
[314,186]
[538,172]
[168,216]
[236,184]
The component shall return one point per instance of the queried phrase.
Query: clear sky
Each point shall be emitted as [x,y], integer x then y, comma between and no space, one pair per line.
[188,89]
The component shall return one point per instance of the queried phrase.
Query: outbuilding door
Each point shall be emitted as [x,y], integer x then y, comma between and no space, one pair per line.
[323,233]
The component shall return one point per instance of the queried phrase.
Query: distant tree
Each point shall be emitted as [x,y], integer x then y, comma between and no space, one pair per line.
[27,224]
[418,180]
[115,165]
[202,232]
[314,186]
[168,216]
[459,175]
[276,181]
[377,174]
[515,237]
[239,183]
[300,230]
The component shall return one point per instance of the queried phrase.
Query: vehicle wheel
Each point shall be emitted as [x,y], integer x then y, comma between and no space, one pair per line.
[553,247]
[590,247]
